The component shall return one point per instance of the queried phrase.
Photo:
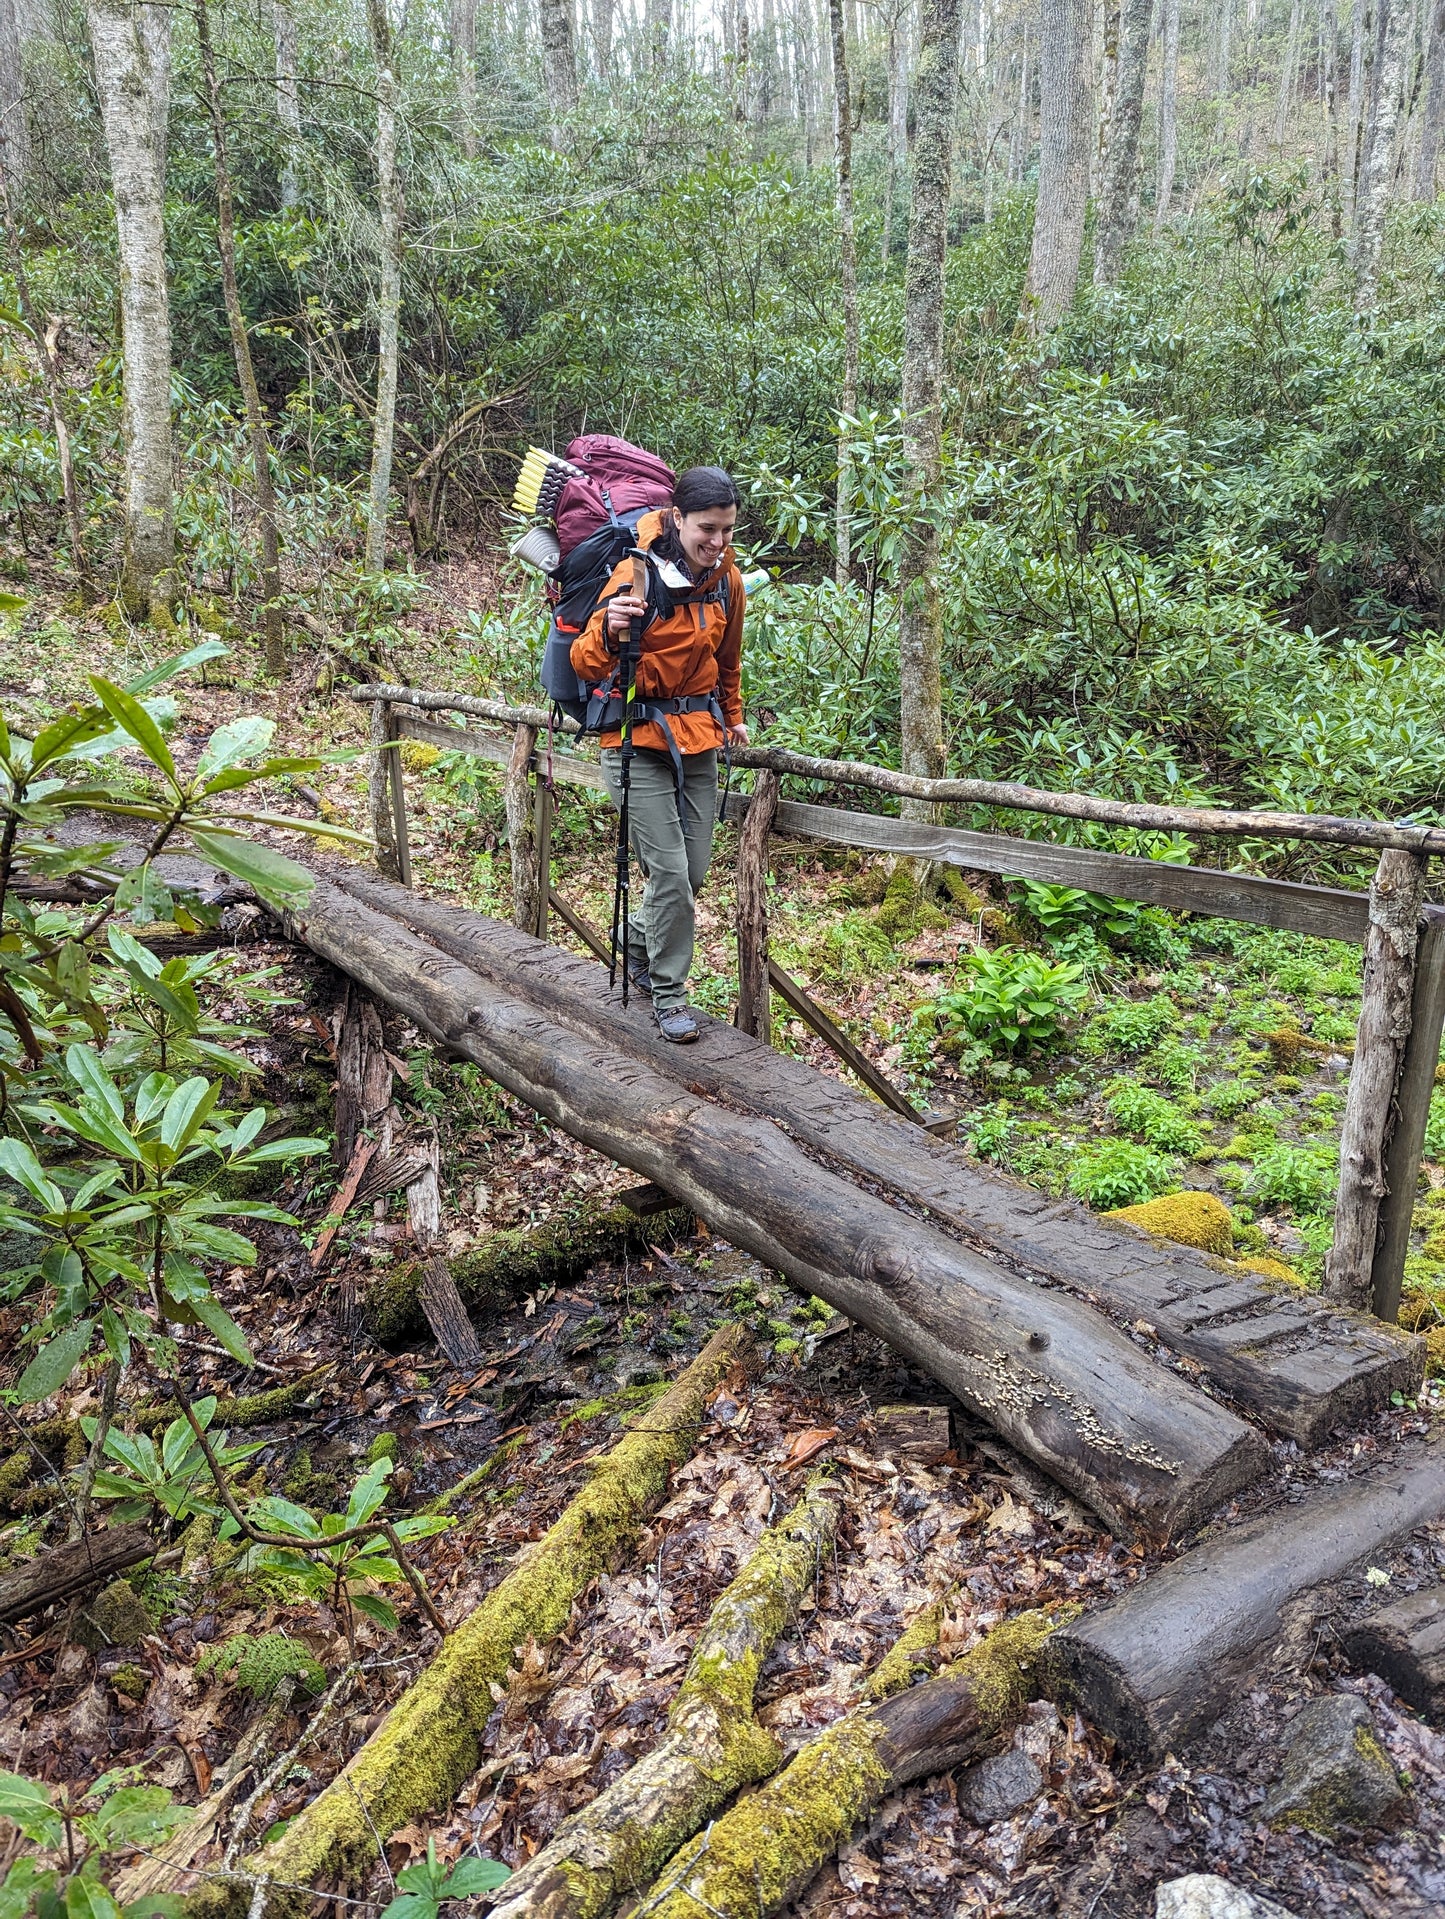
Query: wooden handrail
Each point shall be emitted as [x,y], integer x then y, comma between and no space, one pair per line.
[1322,828]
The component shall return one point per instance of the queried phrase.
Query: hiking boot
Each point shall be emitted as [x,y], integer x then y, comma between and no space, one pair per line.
[677,1024]
[641,979]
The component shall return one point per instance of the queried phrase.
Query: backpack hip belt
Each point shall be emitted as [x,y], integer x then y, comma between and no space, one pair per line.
[604,714]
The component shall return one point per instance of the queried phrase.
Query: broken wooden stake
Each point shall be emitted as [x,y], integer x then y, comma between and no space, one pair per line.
[446,1315]
[1405,1644]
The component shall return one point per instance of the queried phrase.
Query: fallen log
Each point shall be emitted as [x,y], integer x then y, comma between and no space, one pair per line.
[71,1569]
[1142,1447]
[1163,1662]
[1301,1365]
[430,1740]
[518,1260]
[764,1851]
[713,1746]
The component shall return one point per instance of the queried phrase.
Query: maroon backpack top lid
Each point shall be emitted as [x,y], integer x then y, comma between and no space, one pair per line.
[632,476]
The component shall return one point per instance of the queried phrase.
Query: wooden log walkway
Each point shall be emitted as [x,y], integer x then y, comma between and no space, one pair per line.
[1289,1359]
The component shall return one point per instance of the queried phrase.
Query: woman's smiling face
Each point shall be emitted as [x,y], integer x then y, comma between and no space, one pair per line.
[705,534]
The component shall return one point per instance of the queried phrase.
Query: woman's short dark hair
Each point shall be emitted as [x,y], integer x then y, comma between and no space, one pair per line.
[702,487]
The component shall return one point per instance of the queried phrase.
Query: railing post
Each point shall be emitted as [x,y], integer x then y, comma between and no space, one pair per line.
[754,1005]
[1385,1016]
[1412,1108]
[378,784]
[518,802]
[543,833]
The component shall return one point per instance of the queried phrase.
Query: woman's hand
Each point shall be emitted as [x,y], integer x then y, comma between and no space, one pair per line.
[623,610]
[737,735]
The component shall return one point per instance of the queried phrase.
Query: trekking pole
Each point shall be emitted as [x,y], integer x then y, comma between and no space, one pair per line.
[622,893]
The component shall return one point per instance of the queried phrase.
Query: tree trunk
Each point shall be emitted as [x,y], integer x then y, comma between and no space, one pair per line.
[1143,1448]
[559,67]
[920,626]
[1289,68]
[848,260]
[273,624]
[1118,200]
[1362,35]
[1168,115]
[602,37]
[762,1852]
[44,338]
[896,134]
[288,99]
[67,1570]
[713,1747]
[14,141]
[1223,69]
[754,1000]
[388,295]
[1378,170]
[1064,143]
[1385,1005]
[1433,120]
[430,1741]
[1161,1664]
[464,71]
[131,47]
[1330,105]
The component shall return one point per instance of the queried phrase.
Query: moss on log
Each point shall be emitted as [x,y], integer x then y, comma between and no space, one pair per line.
[515,1261]
[764,1851]
[430,1741]
[713,1746]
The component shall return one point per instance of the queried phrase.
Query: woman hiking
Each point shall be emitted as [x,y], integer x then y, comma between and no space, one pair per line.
[687,703]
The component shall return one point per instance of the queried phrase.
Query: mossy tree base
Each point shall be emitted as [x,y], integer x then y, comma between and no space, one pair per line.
[430,1741]
[764,1851]
[713,1746]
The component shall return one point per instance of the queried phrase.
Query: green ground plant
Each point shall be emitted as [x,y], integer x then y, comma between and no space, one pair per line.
[1117,1172]
[80,1830]
[1010,1001]
[1152,1118]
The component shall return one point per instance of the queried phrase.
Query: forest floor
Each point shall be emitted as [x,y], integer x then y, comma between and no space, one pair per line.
[1181,1064]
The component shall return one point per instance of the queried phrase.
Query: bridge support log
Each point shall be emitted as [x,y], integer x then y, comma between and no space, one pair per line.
[1142,1447]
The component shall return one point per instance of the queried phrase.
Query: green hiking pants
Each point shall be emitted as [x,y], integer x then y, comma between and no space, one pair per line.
[673,854]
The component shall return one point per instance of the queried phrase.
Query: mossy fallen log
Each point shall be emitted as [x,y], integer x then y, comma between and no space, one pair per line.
[764,1851]
[515,1261]
[713,1746]
[430,1741]
[61,1441]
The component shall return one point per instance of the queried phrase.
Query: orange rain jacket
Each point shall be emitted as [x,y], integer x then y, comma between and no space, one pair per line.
[692,650]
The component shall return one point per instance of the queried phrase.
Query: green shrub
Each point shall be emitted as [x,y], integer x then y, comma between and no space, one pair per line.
[1301,1177]
[1012,1001]
[1133,1026]
[1178,1064]
[1116,1172]
[1156,1120]
[1230,1097]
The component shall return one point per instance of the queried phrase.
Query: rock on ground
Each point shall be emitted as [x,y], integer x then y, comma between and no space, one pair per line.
[997,1788]
[1336,1772]
[1204,1895]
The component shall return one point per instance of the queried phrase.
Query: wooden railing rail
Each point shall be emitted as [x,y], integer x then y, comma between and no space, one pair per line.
[1403,1001]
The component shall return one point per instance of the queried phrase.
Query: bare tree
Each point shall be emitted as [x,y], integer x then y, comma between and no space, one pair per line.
[1065,31]
[388,293]
[1289,69]
[464,70]
[602,37]
[288,98]
[131,48]
[14,145]
[920,631]
[1378,156]
[1433,120]
[843,158]
[1168,115]
[1119,187]
[559,67]
[1223,67]
[1330,103]
[273,624]
[897,128]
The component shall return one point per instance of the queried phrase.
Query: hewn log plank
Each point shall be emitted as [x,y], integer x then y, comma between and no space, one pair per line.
[72,1569]
[1385,1009]
[1299,1364]
[1163,1662]
[1412,1099]
[754,1002]
[1405,1644]
[1143,1448]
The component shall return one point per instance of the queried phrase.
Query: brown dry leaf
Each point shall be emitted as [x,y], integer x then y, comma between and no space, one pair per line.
[1010,1520]
[807,1445]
